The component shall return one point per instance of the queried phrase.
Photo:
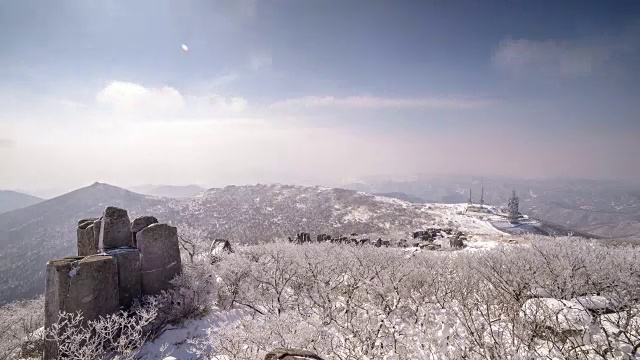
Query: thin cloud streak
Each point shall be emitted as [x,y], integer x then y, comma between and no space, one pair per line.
[373,102]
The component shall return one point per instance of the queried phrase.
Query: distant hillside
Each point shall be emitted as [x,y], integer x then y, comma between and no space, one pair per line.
[171,191]
[31,236]
[11,200]
[404,197]
[265,212]
[604,208]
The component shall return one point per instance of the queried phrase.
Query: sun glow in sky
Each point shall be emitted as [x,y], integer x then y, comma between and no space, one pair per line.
[318,92]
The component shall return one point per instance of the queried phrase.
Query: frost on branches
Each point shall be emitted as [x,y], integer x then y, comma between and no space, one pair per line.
[565,298]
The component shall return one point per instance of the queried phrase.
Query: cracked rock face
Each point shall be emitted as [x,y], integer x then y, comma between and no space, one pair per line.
[160,257]
[129,280]
[85,284]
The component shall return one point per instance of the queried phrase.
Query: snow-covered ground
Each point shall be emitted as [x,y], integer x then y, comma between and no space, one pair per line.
[177,341]
[477,226]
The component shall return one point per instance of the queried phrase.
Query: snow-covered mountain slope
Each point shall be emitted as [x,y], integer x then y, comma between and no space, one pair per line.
[31,236]
[266,212]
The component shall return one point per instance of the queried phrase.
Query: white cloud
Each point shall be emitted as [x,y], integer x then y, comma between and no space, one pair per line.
[550,57]
[373,102]
[134,98]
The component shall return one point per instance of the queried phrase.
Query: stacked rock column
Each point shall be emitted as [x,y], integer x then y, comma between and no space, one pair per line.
[107,273]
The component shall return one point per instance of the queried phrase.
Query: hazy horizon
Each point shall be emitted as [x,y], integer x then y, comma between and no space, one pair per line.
[315,92]
[46,192]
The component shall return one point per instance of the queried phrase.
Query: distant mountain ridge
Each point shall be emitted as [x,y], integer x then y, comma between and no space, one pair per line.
[11,200]
[31,236]
[171,191]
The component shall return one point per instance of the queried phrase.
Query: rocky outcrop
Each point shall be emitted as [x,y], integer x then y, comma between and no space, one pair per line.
[109,272]
[303,238]
[323,237]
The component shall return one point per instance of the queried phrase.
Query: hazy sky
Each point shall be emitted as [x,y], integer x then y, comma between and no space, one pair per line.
[315,91]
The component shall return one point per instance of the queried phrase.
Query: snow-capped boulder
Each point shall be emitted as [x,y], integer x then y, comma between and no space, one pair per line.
[598,304]
[560,315]
[291,354]
[220,247]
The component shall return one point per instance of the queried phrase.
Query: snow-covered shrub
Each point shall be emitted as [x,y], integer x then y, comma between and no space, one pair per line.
[19,324]
[251,338]
[192,295]
[348,302]
[116,336]
[233,276]
[193,242]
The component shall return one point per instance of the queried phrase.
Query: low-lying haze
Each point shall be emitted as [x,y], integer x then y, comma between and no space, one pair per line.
[314,92]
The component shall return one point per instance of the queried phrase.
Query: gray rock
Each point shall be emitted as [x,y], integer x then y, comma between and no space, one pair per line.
[88,285]
[456,242]
[115,213]
[142,222]
[160,257]
[87,242]
[219,247]
[139,224]
[96,230]
[117,229]
[129,279]
[291,354]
